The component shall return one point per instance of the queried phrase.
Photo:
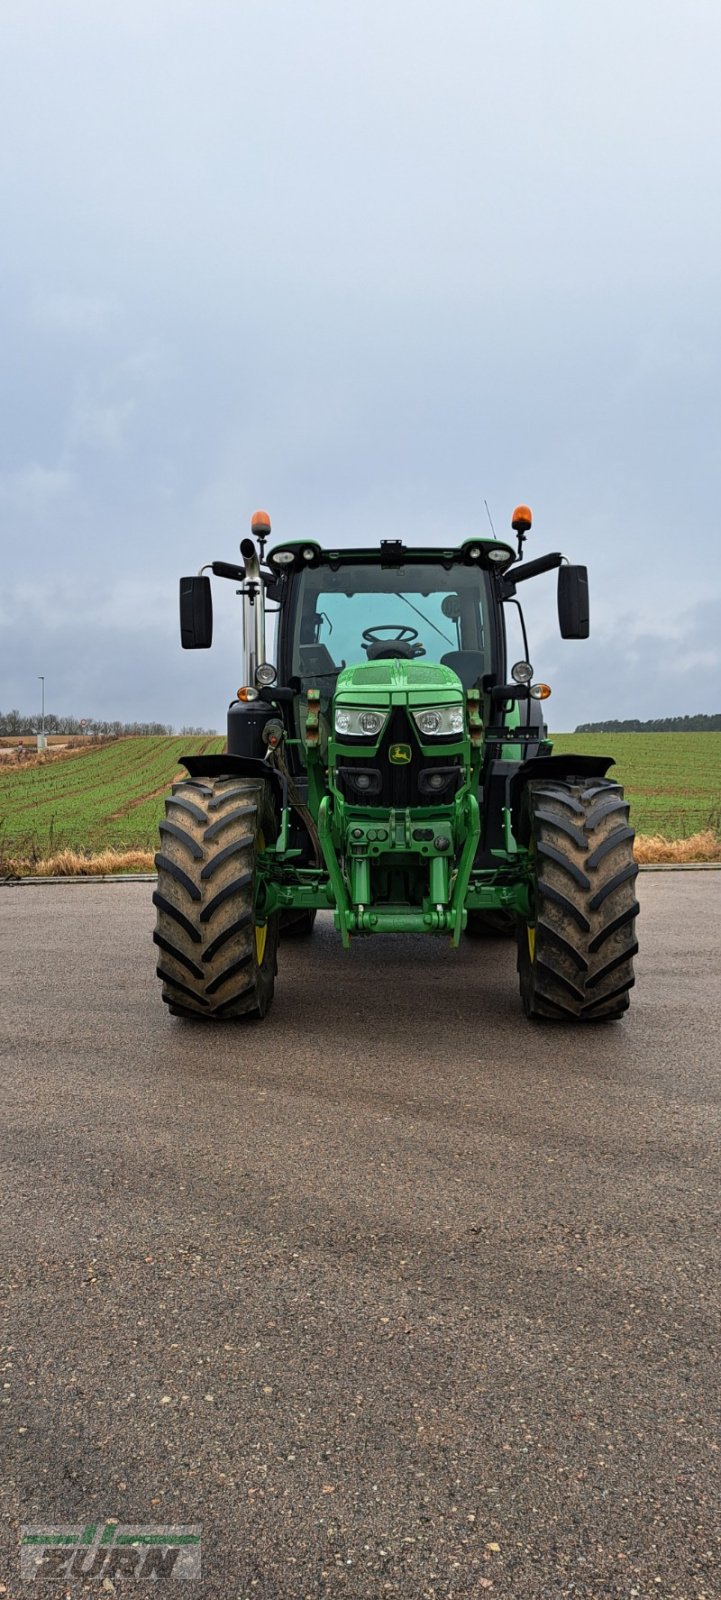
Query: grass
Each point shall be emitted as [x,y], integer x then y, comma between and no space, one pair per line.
[673,780]
[109,798]
[652,849]
[99,811]
[77,864]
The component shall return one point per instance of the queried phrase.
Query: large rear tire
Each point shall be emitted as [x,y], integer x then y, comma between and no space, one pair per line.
[218,960]
[576,950]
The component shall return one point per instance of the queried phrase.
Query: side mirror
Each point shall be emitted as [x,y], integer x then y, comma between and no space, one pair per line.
[196,613]
[573,607]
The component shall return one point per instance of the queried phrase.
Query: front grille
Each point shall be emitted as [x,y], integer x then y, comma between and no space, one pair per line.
[414,674]
[399,785]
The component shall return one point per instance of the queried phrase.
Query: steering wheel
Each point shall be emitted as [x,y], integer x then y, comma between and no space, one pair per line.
[403,635]
[402,647]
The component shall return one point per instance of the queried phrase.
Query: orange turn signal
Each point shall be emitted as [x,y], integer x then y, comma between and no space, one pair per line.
[540,691]
[246,694]
[522,519]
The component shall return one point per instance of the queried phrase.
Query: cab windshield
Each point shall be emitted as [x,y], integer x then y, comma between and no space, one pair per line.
[419,611]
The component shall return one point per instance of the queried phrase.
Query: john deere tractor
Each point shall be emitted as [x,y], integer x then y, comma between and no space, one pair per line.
[387,766]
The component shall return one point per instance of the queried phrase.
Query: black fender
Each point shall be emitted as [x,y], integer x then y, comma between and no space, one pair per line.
[235,767]
[560,767]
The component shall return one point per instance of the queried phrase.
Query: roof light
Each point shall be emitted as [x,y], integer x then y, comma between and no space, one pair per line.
[522,519]
[283,558]
[308,554]
[474,552]
[499,554]
[260,524]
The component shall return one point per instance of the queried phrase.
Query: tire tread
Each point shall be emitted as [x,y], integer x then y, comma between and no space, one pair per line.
[209,962]
[579,966]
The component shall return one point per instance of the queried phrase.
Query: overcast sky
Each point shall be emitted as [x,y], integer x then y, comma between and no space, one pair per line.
[366,263]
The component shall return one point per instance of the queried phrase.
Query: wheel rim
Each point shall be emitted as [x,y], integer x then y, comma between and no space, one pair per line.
[261,929]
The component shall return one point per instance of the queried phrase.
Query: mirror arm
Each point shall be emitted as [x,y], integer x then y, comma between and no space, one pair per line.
[509,691]
[529,569]
[227,569]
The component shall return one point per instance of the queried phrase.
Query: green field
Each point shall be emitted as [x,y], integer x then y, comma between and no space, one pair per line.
[114,795]
[673,780]
[110,796]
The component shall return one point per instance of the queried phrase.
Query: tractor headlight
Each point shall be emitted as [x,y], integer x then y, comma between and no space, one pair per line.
[359,723]
[439,720]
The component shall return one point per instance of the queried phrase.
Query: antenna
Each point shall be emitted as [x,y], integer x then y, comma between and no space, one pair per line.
[490,518]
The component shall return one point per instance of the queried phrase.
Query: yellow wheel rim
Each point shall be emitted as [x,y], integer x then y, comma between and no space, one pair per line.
[531,931]
[261,929]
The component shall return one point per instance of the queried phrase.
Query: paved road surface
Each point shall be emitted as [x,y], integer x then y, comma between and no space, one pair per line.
[394,1293]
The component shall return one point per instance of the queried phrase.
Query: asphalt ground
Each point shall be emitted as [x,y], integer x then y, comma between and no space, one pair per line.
[394,1293]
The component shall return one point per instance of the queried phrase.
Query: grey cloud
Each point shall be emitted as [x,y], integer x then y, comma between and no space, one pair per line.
[365,264]
[671,669]
[73,313]
[30,490]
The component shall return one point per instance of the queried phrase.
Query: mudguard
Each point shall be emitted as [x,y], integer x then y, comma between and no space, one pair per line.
[233,767]
[560,767]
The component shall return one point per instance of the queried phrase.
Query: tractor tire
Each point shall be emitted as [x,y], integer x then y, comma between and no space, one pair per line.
[491,924]
[576,950]
[216,961]
[299,924]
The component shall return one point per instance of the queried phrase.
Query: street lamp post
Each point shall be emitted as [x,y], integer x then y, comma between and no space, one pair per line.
[41,736]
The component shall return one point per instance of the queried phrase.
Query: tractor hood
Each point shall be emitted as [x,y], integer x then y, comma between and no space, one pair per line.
[414,681]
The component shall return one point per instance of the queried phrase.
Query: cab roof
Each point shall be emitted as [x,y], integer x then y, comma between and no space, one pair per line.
[390,553]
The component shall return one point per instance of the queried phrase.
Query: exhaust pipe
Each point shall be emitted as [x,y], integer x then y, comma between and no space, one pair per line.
[253,612]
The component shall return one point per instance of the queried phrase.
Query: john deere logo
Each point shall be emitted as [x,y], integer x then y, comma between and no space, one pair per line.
[400,754]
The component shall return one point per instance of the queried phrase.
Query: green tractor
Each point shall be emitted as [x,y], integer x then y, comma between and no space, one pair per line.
[388,767]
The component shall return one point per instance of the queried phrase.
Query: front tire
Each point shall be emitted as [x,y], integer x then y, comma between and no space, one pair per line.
[218,958]
[576,949]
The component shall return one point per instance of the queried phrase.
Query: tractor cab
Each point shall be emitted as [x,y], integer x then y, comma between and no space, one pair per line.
[367,609]
[364,610]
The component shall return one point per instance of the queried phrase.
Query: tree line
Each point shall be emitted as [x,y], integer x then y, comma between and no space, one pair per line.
[16,723]
[702,723]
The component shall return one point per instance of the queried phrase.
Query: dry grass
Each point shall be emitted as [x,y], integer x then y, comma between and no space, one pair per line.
[74,864]
[14,758]
[649,850]
[654,849]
